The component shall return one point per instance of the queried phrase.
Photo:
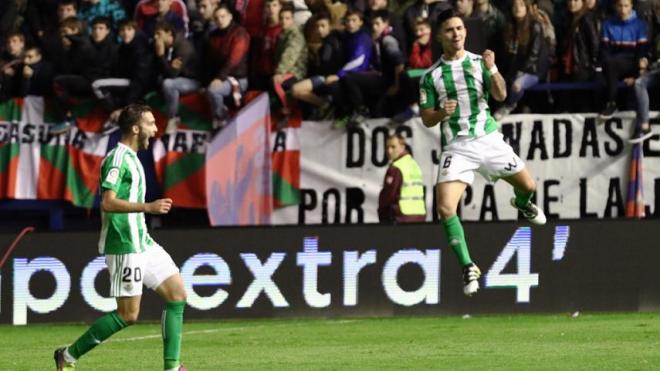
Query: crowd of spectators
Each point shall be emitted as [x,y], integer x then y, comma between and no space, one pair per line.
[346,60]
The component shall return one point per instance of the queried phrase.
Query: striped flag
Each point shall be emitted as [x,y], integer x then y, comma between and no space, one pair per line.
[286,162]
[179,157]
[35,164]
[635,199]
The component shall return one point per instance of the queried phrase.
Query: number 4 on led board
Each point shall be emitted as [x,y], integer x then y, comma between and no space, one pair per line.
[523,280]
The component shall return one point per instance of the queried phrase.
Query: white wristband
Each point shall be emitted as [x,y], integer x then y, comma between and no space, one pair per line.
[493,70]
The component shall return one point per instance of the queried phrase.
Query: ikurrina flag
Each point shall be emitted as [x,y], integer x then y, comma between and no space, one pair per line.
[635,199]
[286,161]
[35,164]
[238,169]
[179,157]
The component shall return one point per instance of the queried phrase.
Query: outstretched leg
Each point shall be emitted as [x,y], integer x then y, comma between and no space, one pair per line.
[128,309]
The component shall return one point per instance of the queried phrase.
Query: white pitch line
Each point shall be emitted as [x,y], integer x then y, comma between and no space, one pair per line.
[208,331]
[158,336]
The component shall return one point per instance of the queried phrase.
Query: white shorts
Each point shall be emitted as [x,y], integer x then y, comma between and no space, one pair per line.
[490,155]
[128,272]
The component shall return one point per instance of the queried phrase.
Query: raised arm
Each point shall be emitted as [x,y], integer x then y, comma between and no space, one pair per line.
[497,85]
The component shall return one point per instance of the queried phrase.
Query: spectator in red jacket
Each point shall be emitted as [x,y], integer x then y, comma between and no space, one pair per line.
[226,63]
[263,44]
[421,55]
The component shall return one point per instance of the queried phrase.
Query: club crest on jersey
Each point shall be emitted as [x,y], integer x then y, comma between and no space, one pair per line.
[422,96]
[112,176]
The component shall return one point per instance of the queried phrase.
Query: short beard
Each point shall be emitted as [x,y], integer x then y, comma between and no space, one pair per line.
[143,140]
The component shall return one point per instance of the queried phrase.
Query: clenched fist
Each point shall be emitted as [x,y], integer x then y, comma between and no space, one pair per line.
[161,206]
[449,107]
[489,58]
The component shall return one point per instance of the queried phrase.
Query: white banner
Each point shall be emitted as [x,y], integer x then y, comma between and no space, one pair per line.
[579,163]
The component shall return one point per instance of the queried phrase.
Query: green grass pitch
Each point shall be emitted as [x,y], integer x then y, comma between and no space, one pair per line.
[622,341]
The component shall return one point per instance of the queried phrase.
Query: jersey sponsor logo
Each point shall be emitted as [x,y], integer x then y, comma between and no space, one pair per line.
[113,176]
[389,180]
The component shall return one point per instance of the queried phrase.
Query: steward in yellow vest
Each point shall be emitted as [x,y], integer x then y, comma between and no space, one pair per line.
[402,197]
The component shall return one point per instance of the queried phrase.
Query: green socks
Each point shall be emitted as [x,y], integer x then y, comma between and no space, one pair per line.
[522,198]
[97,333]
[456,239]
[172,324]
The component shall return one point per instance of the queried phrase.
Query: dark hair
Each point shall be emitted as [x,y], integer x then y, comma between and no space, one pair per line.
[356,12]
[33,47]
[130,116]
[422,21]
[165,26]
[445,15]
[323,15]
[102,20]
[18,34]
[235,17]
[68,2]
[383,14]
[127,23]
[287,8]
[73,23]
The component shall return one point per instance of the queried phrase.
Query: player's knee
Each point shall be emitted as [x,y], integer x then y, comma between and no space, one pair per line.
[445,211]
[179,295]
[129,316]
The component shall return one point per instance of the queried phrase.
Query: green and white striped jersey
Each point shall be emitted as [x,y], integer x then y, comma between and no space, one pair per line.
[123,233]
[466,81]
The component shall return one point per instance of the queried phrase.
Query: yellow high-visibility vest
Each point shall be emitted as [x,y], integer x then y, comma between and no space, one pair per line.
[411,197]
